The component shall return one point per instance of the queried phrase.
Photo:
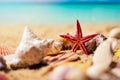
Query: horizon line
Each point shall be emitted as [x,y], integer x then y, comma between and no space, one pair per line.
[90,2]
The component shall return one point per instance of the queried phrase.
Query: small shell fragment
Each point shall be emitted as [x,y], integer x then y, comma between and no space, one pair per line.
[61,57]
[95,42]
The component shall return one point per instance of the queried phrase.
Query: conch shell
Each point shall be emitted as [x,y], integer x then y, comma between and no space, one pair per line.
[31,50]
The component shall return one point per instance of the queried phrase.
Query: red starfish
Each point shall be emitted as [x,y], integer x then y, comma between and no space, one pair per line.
[78,40]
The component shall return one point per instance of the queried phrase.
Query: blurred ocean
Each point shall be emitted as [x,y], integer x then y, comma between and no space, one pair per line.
[58,13]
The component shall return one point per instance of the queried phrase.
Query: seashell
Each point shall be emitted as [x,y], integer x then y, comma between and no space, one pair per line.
[115,33]
[61,57]
[95,42]
[67,72]
[53,47]
[102,59]
[6,49]
[103,54]
[31,50]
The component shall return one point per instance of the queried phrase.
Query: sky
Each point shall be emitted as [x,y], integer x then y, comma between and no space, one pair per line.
[60,1]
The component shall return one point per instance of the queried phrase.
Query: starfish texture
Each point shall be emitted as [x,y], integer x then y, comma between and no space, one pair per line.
[78,40]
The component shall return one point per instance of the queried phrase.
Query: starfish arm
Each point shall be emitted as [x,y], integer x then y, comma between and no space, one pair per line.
[68,37]
[74,48]
[87,38]
[82,46]
[79,31]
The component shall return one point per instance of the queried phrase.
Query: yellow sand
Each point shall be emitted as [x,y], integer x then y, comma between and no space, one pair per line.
[11,35]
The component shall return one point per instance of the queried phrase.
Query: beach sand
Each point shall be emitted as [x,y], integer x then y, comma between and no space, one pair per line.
[11,35]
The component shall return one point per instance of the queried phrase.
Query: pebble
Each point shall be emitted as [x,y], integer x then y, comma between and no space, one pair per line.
[115,33]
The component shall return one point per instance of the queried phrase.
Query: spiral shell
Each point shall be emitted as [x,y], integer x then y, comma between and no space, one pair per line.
[6,49]
[31,50]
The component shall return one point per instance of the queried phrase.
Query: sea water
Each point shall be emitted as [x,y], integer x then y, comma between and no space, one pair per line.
[59,13]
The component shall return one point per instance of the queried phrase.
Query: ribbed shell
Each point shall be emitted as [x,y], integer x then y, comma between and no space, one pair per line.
[6,49]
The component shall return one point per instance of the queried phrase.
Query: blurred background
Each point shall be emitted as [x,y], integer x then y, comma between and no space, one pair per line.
[29,12]
[50,18]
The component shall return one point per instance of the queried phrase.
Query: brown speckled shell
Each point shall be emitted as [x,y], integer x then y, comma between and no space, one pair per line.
[6,49]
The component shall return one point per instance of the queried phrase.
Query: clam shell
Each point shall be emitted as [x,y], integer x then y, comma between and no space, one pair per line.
[6,49]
